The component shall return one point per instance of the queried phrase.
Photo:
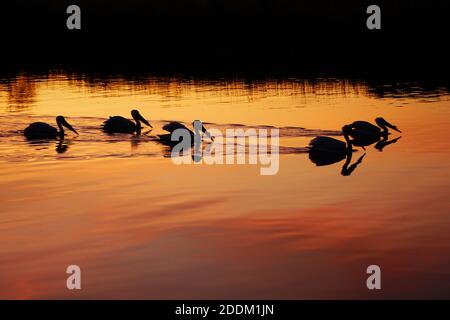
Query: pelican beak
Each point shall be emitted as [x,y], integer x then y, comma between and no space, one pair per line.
[207,133]
[392,126]
[68,126]
[141,118]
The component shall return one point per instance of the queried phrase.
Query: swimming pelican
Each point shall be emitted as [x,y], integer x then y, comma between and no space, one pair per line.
[172,126]
[326,150]
[363,130]
[42,130]
[118,124]
[331,145]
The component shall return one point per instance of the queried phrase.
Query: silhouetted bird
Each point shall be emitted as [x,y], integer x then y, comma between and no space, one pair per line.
[118,124]
[365,131]
[326,150]
[173,126]
[42,130]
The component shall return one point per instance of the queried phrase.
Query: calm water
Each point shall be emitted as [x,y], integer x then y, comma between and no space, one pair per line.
[140,226]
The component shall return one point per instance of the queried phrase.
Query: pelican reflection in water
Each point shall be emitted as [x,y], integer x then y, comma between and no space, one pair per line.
[324,151]
[61,146]
[348,169]
[118,124]
[383,142]
[329,159]
[380,142]
[42,130]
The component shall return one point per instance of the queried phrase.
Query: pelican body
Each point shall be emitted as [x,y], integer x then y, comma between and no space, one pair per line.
[172,126]
[118,124]
[42,130]
[330,145]
[326,150]
[365,131]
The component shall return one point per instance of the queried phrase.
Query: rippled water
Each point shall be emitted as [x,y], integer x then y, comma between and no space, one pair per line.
[140,226]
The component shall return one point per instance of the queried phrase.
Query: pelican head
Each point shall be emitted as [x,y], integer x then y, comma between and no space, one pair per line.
[346,131]
[383,124]
[138,118]
[197,124]
[61,121]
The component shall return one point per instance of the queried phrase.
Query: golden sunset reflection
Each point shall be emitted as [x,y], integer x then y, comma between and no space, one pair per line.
[140,226]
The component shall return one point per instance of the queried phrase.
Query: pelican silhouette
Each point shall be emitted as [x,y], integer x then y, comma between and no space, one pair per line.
[42,130]
[326,150]
[365,131]
[172,126]
[118,124]
[331,145]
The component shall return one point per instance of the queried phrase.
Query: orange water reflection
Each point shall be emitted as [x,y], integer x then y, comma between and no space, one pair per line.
[142,227]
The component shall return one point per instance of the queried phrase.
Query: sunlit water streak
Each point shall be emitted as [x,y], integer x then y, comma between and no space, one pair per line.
[142,227]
